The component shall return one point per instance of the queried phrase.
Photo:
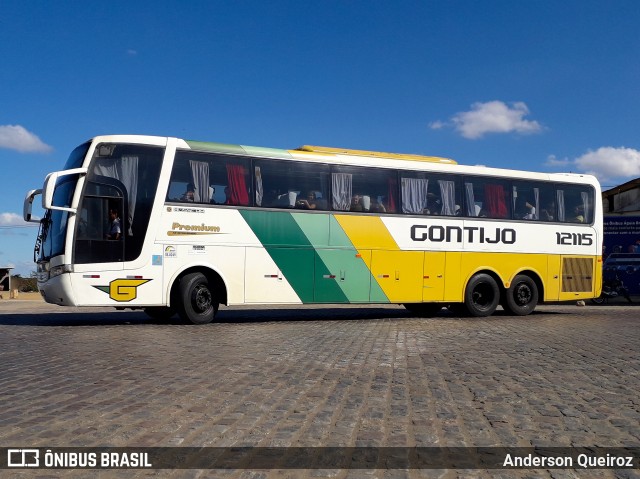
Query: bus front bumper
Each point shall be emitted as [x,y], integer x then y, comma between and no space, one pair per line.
[57,290]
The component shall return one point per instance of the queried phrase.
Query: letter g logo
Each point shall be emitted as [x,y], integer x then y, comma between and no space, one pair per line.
[125,290]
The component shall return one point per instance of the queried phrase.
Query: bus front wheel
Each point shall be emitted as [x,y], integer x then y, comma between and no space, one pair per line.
[197,303]
[522,296]
[482,295]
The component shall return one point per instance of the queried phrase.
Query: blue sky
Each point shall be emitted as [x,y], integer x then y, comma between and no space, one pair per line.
[534,85]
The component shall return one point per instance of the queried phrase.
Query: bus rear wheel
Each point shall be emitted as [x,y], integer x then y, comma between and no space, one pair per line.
[522,296]
[196,302]
[482,295]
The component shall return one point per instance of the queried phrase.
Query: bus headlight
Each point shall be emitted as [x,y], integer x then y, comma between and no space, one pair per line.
[58,270]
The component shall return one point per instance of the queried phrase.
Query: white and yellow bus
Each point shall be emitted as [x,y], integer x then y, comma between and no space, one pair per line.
[203,224]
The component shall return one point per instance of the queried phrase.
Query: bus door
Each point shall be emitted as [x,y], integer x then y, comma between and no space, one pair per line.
[101,224]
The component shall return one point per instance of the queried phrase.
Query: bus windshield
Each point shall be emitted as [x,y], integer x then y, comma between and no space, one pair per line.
[54,225]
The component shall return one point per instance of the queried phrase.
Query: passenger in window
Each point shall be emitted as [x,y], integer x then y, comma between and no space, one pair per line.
[115,232]
[189,195]
[547,213]
[227,197]
[530,211]
[377,206]
[433,205]
[356,203]
[308,203]
[579,214]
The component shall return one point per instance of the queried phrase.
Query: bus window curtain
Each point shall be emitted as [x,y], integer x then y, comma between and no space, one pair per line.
[448,196]
[237,185]
[392,189]
[259,187]
[124,170]
[471,201]
[341,187]
[585,206]
[560,198]
[495,202]
[200,175]
[414,195]
[536,197]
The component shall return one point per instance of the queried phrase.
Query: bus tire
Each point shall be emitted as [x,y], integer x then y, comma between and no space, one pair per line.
[482,295]
[521,298]
[424,310]
[162,313]
[196,302]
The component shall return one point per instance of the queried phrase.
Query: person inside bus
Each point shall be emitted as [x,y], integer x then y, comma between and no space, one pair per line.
[547,213]
[189,195]
[433,205]
[308,203]
[115,232]
[377,206]
[579,214]
[356,203]
[530,211]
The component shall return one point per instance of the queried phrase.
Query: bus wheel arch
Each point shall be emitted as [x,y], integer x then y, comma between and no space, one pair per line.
[196,294]
[523,294]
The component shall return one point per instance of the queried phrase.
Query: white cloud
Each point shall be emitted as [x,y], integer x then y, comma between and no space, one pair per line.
[16,137]
[554,162]
[12,219]
[491,117]
[609,164]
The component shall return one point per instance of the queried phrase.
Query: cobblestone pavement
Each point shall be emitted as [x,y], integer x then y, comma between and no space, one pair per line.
[335,376]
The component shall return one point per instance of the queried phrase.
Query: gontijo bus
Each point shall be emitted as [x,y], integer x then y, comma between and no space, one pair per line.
[204,224]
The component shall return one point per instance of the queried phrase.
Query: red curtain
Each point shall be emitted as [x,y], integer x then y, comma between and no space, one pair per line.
[238,194]
[496,204]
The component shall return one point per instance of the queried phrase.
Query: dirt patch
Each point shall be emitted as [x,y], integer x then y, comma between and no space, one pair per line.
[6,296]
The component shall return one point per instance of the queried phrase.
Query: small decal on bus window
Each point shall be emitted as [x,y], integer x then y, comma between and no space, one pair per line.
[123,290]
[179,209]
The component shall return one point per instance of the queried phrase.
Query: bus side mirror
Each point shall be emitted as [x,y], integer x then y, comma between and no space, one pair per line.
[49,187]
[28,204]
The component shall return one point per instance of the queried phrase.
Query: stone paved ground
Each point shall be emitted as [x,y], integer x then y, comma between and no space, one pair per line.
[374,376]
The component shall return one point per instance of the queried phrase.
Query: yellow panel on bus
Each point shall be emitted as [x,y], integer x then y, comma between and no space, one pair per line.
[399,274]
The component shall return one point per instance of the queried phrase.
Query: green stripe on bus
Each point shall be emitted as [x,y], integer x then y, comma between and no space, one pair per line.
[340,258]
[262,152]
[216,147]
[294,254]
[316,256]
